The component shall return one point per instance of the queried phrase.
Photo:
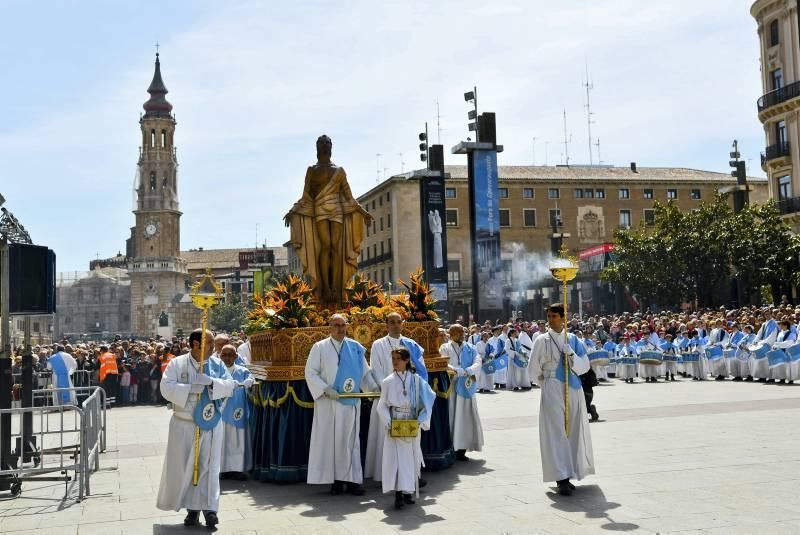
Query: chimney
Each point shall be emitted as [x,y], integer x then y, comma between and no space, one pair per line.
[633,167]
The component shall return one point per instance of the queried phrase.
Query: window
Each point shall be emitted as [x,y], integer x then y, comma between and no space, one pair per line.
[374,250]
[672,194]
[250,287]
[373,204]
[502,193]
[449,193]
[777,79]
[553,193]
[383,272]
[555,217]
[696,194]
[381,220]
[380,201]
[529,217]
[368,227]
[388,196]
[784,188]
[505,217]
[527,193]
[36,326]
[453,273]
[649,217]
[388,220]
[774,33]
[625,218]
[389,246]
[452,217]
[374,224]
[648,193]
[588,193]
[152,181]
[163,138]
[382,251]
[600,193]
[152,138]
[578,193]
[624,193]
[780,132]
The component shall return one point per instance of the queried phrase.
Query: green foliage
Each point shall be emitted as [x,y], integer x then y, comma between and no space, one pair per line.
[685,255]
[229,316]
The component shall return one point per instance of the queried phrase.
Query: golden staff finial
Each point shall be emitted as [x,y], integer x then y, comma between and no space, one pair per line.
[205,294]
[564,269]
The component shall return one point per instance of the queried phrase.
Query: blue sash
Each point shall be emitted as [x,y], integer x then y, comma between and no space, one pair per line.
[520,360]
[207,413]
[466,386]
[736,338]
[237,408]
[574,380]
[416,356]
[350,371]
[426,395]
[62,377]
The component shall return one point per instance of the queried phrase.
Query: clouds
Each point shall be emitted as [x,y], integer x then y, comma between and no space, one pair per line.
[254,84]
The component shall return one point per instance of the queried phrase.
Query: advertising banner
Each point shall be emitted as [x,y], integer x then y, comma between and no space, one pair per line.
[434,238]
[485,233]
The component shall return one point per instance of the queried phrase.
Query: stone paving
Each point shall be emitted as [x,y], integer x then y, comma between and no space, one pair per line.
[682,457]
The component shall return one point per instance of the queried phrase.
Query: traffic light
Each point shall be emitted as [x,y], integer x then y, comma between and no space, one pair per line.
[423,147]
[740,171]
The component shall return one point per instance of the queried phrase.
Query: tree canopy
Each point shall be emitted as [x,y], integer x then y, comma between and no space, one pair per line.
[685,256]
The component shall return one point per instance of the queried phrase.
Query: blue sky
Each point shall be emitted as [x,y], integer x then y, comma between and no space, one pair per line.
[254,83]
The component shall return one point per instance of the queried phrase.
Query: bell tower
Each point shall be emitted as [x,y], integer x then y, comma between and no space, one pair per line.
[156,270]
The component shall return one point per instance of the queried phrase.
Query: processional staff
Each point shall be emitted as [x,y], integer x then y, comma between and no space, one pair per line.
[205,294]
[565,269]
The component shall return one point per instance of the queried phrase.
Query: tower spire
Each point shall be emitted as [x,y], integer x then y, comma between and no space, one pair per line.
[157,105]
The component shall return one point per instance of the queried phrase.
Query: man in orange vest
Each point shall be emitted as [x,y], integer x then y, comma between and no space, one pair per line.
[109,374]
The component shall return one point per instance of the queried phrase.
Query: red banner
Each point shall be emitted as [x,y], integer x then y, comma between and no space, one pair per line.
[596,250]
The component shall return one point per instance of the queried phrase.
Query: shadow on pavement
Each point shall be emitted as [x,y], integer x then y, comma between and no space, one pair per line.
[590,500]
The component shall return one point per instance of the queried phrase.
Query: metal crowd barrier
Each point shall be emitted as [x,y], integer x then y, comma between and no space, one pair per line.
[58,439]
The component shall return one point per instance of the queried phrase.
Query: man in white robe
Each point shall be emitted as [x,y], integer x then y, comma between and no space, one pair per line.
[380,362]
[518,377]
[564,456]
[243,352]
[237,453]
[63,366]
[465,423]
[485,384]
[182,385]
[334,456]
[504,343]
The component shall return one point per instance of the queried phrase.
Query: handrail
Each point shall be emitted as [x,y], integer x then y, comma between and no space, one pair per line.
[776,96]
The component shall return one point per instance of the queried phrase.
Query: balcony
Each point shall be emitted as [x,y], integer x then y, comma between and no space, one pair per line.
[773,152]
[789,206]
[387,257]
[778,96]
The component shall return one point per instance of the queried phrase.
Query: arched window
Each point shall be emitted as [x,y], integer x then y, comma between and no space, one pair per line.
[152,138]
[152,181]
[163,138]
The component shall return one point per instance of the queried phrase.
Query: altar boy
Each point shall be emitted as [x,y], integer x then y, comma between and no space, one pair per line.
[237,455]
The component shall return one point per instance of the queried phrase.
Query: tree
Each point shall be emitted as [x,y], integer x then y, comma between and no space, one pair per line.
[687,255]
[229,316]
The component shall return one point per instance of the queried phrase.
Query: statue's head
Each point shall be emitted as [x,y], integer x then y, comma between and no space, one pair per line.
[324,146]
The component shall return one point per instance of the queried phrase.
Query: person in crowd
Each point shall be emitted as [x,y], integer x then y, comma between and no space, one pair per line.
[125,384]
[109,372]
[336,366]
[194,394]
[404,396]
[63,366]
[465,422]
[237,455]
[566,451]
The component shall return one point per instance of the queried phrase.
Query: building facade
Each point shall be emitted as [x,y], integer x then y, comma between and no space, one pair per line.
[779,106]
[95,304]
[583,204]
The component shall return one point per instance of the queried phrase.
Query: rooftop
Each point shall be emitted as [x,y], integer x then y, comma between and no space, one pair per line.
[198,259]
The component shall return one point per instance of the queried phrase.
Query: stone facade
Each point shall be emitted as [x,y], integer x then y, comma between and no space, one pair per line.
[779,107]
[94,302]
[590,202]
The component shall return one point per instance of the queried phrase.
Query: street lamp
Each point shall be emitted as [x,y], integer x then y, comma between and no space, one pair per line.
[472,115]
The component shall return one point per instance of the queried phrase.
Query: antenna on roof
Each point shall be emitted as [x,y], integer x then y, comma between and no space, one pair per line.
[589,86]
[566,140]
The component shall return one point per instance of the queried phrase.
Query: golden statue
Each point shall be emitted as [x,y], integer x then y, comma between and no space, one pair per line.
[327,226]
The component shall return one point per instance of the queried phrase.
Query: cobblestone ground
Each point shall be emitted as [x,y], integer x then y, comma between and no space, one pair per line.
[682,457]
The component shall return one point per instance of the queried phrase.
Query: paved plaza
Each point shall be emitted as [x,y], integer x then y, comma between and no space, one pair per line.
[683,457]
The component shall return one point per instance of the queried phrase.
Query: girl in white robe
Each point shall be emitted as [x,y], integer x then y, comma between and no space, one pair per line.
[626,371]
[485,381]
[404,395]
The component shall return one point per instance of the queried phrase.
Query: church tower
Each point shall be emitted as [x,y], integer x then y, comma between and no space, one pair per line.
[156,270]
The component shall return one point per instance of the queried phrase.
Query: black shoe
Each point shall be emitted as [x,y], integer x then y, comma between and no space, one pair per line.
[720,378]
[593,412]
[749,379]
[408,499]
[337,488]
[654,379]
[789,382]
[564,488]
[355,489]
[762,380]
[503,386]
[462,457]
[398,500]
[238,476]
[771,381]
[211,519]
[192,519]
[422,483]
[779,382]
